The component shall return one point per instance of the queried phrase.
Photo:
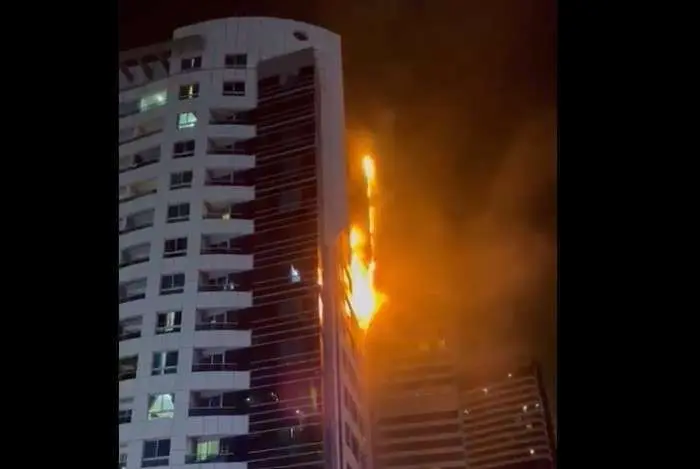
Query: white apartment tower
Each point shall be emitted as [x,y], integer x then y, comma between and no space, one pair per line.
[233,353]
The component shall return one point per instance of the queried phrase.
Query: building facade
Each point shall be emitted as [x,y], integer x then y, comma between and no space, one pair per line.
[233,347]
[429,412]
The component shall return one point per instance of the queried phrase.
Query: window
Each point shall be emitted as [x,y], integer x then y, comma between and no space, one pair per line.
[164,363]
[178,212]
[234,88]
[206,449]
[190,91]
[125,410]
[191,63]
[161,406]
[236,60]
[155,453]
[183,149]
[127,368]
[172,283]
[123,458]
[153,100]
[181,180]
[169,322]
[186,120]
[175,247]
[294,275]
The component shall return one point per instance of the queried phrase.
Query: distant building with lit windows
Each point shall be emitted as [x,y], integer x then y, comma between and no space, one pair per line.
[428,412]
[235,351]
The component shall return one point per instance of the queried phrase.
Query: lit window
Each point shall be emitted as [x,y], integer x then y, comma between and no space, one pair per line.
[294,275]
[186,120]
[153,100]
[190,91]
[161,406]
[207,449]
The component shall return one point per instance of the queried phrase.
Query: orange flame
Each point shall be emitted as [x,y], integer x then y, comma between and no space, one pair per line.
[363,295]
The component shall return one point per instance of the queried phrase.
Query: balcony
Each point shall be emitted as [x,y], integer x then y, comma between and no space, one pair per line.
[137,190]
[137,254]
[127,368]
[130,328]
[226,146]
[136,221]
[230,117]
[217,319]
[228,177]
[223,281]
[225,244]
[227,210]
[132,134]
[139,160]
[211,450]
[145,103]
[216,403]
[133,290]
[213,359]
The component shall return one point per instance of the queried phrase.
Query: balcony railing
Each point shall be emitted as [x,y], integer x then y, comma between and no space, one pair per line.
[216,326]
[210,288]
[220,250]
[129,262]
[131,297]
[204,367]
[214,411]
[199,459]
[224,215]
[127,335]
[123,375]
[139,136]
[155,462]
[137,196]
[130,229]
[138,165]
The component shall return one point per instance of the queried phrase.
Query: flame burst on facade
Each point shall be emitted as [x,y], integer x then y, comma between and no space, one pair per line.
[364,298]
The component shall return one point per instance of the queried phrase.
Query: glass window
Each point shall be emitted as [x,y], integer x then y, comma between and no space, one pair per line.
[186,120]
[161,406]
[153,100]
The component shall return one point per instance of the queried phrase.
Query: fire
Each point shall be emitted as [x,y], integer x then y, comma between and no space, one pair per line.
[364,297]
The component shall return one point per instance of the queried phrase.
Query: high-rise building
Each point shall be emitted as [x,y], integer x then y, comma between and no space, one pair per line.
[234,347]
[431,412]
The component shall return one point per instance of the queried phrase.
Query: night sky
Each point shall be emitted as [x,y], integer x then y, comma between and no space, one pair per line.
[468,168]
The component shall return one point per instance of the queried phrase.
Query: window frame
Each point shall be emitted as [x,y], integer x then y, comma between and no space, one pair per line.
[165,369]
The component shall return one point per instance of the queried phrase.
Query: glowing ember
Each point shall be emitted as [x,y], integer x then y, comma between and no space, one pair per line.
[363,295]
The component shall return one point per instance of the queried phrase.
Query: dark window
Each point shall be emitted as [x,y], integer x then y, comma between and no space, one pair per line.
[191,63]
[190,91]
[172,283]
[178,212]
[236,60]
[301,35]
[181,179]
[169,322]
[234,88]
[175,247]
[164,363]
[183,149]
[155,453]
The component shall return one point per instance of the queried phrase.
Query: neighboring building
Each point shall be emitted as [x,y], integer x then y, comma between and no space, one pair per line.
[232,198]
[429,412]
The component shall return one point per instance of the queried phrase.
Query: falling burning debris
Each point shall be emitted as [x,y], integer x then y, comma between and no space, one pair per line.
[363,296]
